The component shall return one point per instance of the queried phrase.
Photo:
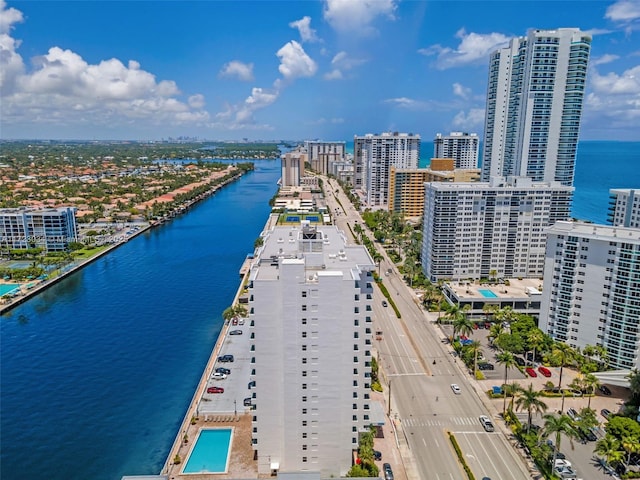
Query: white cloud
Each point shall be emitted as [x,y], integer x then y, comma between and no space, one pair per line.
[61,88]
[473,48]
[606,58]
[408,103]
[8,17]
[461,91]
[237,69]
[294,62]
[614,101]
[242,116]
[307,34]
[623,11]
[355,16]
[340,63]
[470,120]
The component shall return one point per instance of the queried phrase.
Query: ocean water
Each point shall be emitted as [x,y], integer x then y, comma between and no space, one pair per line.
[98,371]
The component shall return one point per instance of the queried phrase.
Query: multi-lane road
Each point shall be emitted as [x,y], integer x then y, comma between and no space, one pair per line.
[422,401]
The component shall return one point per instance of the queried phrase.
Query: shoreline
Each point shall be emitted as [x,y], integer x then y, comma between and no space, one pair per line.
[19,300]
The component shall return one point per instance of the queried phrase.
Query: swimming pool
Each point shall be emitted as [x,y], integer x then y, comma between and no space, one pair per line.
[486,293]
[210,451]
[8,287]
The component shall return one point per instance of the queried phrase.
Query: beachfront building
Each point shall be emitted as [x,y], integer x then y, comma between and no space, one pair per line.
[490,229]
[624,207]
[293,168]
[51,229]
[374,155]
[461,146]
[311,296]
[534,104]
[591,292]
[406,186]
[321,155]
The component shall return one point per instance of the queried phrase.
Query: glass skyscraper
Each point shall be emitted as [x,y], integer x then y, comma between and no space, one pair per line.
[534,104]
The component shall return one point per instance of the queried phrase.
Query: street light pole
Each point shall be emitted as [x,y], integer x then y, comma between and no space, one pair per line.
[389,409]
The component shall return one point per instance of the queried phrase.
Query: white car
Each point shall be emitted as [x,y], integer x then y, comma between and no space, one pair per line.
[486,423]
[456,388]
[219,376]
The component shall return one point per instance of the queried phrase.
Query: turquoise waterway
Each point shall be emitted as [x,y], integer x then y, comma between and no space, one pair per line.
[97,371]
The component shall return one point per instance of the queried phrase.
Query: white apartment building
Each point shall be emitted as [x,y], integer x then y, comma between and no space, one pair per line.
[461,146]
[374,155]
[534,104]
[310,302]
[323,154]
[591,293]
[477,230]
[624,207]
[51,228]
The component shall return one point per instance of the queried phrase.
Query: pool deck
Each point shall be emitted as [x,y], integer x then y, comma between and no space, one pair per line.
[516,289]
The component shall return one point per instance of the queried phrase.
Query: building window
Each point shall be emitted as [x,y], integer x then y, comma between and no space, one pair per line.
[304,308]
[304,334]
[304,321]
[304,386]
[304,411]
[304,294]
[304,348]
[304,434]
[304,459]
[304,399]
[304,447]
[304,373]
[304,423]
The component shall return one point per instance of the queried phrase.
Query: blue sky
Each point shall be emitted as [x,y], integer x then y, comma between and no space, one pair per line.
[225,70]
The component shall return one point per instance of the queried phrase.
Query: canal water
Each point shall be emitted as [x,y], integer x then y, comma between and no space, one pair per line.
[97,372]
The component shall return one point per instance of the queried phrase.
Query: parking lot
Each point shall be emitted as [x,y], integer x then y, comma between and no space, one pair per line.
[235,384]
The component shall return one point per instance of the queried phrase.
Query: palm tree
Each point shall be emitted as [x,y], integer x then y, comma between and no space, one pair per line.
[634,385]
[558,425]
[462,325]
[630,445]
[511,390]
[610,448]
[475,348]
[563,354]
[495,330]
[590,383]
[529,400]
[457,316]
[506,359]
[489,309]
[535,339]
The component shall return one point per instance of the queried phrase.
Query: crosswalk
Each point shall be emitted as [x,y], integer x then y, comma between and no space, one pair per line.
[440,421]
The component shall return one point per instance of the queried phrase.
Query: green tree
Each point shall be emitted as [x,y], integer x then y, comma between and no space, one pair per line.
[558,425]
[529,400]
[610,448]
[563,354]
[634,386]
[506,359]
[511,390]
[475,347]
[495,331]
[462,325]
[631,446]
[590,383]
[535,340]
[621,427]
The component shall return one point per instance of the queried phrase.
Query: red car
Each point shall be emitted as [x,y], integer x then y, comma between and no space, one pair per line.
[531,372]
[544,371]
[215,390]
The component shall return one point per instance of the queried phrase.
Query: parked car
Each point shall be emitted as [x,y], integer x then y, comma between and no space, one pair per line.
[486,366]
[247,402]
[456,389]
[234,321]
[486,423]
[384,303]
[388,473]
[219,376]
[235,332]
[487,325]
[531,372]
[251,384]
[215,390]
[544,371]
[225,358]
[562,462]
[226,371]
[573,414]
[605,390]
[587,434]
[241,321]
[377,455]
[605,413]
[519,361]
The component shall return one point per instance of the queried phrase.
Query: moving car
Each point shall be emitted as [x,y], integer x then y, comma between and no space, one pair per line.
[605,390]
[486,423]
[235,332]
[219,376]
[247,402]
[531,372]
[544,371]
[456,389]
[225,358]
[384,303]
[226,371]
[215,390]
